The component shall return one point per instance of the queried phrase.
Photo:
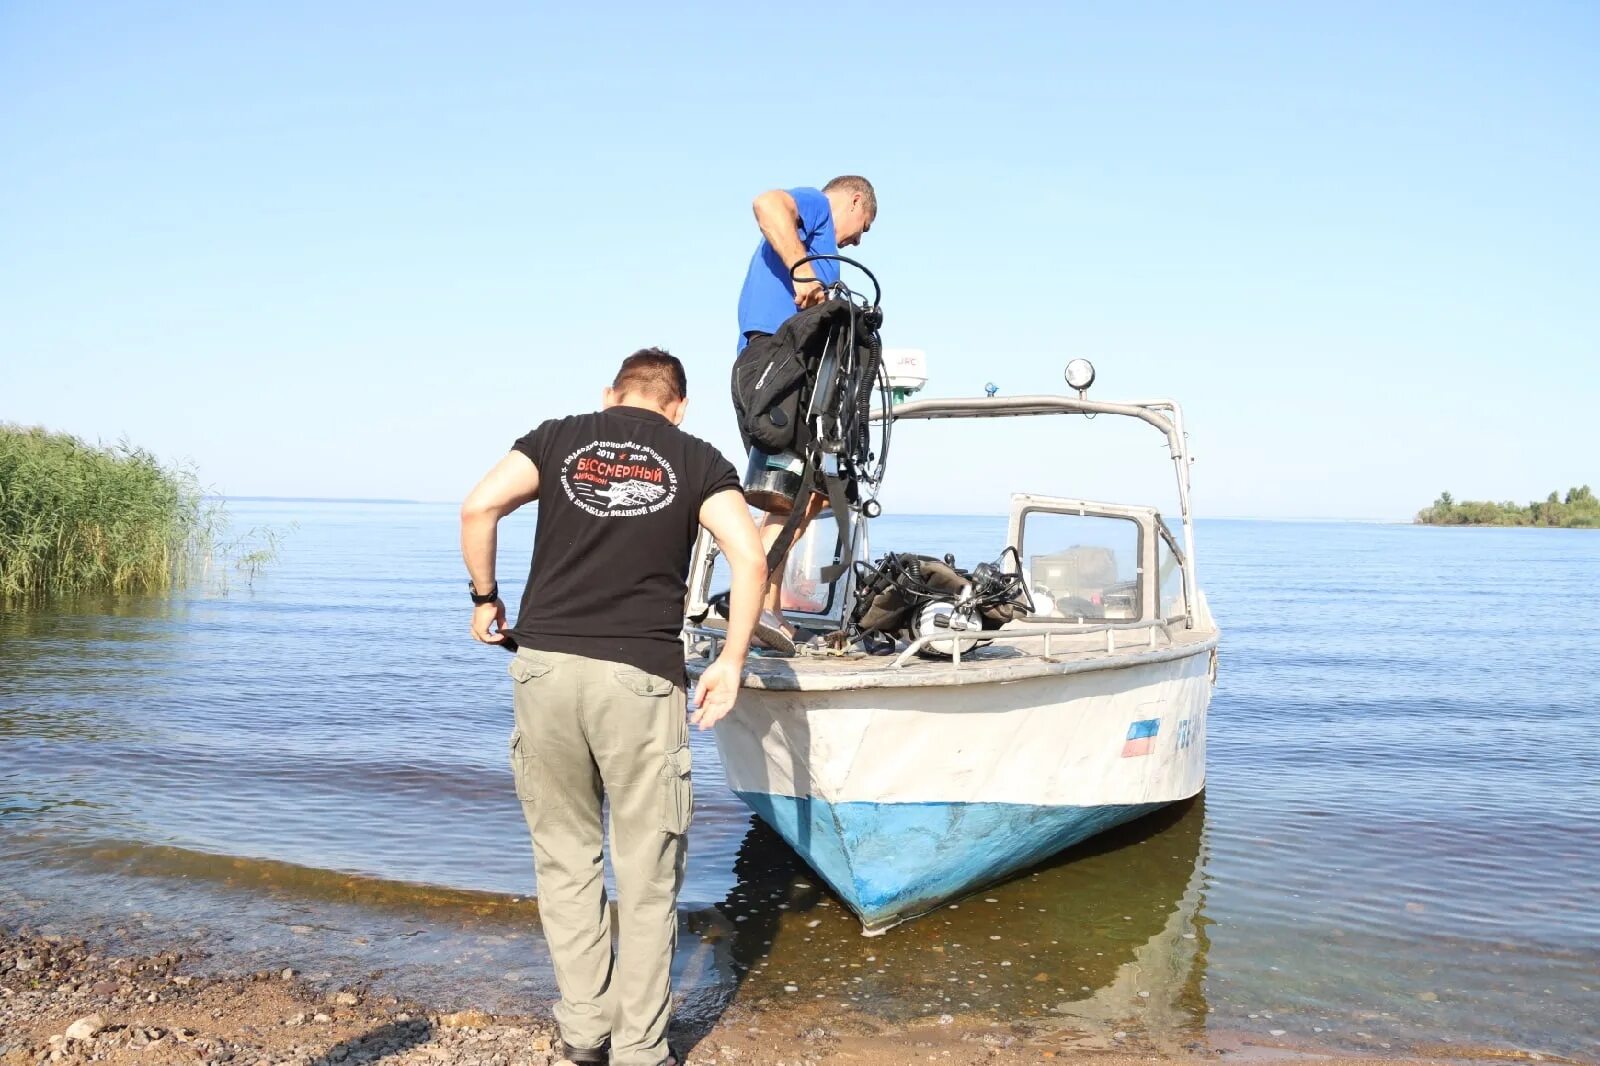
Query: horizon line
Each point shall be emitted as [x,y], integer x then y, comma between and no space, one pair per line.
[1367,519]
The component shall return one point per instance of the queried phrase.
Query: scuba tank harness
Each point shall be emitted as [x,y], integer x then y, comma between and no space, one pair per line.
[804,396]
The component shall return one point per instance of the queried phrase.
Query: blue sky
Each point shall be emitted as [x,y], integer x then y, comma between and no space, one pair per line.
[356,249]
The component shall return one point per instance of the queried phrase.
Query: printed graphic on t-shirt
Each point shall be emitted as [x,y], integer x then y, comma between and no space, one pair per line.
[618,480]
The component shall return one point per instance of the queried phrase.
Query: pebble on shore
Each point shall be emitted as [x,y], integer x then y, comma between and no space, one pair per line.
[62,1002]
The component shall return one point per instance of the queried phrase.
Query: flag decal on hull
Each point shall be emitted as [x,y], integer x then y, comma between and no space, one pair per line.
[1141,738]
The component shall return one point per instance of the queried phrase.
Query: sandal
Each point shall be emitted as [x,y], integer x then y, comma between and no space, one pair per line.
[771,634]
[585,1056]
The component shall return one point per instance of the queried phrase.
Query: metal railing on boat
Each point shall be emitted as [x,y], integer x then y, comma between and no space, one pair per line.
[1048,634]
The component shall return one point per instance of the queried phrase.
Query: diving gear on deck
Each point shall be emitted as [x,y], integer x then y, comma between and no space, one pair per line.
[906,596]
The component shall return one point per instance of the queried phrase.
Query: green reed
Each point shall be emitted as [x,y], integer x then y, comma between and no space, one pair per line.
[77,517]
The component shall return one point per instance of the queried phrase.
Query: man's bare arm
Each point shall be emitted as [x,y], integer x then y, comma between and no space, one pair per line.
[779,218]
[727,517]
[512,482]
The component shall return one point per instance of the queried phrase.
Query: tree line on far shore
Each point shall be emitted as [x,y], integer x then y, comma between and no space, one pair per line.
[1578,510]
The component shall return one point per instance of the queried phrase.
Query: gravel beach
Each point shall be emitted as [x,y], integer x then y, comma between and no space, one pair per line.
[67,1000]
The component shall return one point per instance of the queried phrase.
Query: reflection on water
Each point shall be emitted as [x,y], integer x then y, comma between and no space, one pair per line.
[1106,935]
[1397,842]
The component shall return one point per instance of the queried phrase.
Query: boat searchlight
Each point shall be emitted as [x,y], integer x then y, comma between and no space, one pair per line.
[1080,375]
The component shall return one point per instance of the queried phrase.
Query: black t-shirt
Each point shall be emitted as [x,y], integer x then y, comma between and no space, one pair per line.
[619,509]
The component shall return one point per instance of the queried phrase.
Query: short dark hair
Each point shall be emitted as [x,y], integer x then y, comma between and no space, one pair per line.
[855,183]
[652,372]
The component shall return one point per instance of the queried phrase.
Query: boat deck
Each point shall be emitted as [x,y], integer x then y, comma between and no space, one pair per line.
[1026,653]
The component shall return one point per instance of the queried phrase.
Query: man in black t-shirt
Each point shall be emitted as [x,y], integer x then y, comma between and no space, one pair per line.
[599,693]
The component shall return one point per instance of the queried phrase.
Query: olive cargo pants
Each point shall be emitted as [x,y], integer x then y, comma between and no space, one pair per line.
[587,728]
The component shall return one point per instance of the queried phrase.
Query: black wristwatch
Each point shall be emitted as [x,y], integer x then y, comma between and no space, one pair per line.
[477,600]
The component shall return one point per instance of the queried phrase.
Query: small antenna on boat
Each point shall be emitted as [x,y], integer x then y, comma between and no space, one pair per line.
[990,389]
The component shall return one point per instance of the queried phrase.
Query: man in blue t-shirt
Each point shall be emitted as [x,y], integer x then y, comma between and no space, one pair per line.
[796,223]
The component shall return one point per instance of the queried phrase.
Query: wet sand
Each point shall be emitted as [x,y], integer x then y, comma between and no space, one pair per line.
[66,1000]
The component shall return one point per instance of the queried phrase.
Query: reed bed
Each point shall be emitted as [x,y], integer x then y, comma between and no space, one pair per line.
[78,517]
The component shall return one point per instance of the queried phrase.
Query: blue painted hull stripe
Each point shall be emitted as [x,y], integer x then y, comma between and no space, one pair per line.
[890,861]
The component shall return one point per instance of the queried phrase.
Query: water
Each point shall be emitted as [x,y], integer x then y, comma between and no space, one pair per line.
[1396,848]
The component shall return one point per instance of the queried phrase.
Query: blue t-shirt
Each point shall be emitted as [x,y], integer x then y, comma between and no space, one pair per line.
[768,295]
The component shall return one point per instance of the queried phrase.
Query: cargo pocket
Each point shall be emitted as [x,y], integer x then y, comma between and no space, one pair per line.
[524,767]
[677,792]
[521,768]
[525,669]
[640,683]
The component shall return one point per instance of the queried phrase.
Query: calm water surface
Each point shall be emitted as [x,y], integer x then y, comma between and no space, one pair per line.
[1397,847]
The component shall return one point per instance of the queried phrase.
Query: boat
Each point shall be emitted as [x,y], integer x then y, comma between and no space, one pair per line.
[912,779]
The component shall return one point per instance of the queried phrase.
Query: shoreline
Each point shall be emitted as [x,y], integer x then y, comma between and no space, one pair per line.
[69,1000]
[1493,525]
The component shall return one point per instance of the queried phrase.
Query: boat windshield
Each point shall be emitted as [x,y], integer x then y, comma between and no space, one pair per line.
[1082,567]
[804,591]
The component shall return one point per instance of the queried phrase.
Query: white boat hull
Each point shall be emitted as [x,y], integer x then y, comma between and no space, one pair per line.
[907,796]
